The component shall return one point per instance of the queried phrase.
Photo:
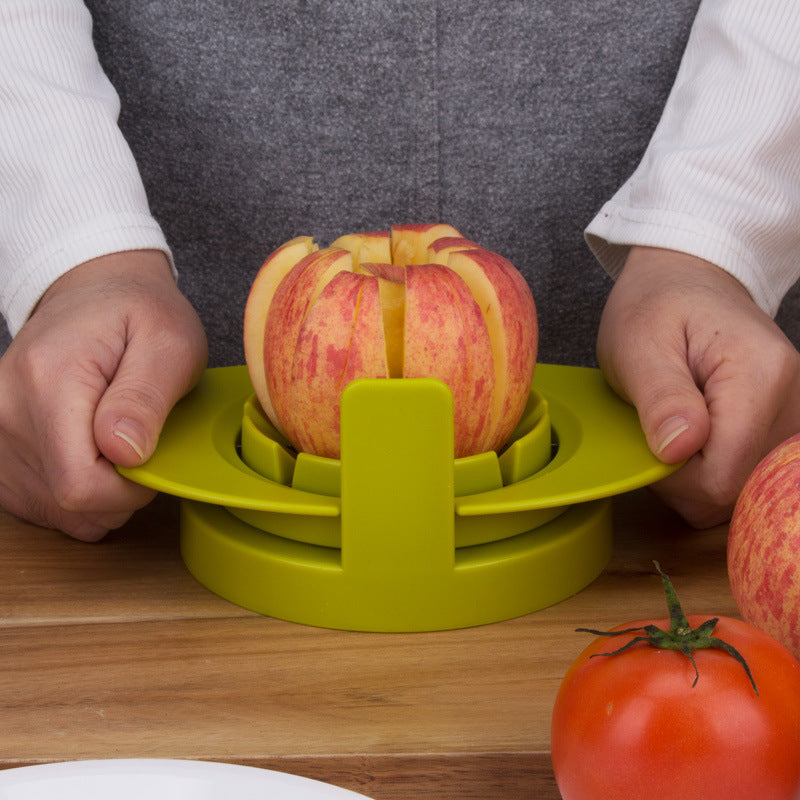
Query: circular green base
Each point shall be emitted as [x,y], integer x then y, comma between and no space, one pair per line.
[311,585]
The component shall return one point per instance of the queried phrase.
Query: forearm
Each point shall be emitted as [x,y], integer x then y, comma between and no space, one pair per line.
[721,176]
[69,187]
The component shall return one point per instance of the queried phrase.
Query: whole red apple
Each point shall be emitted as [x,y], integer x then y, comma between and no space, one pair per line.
[764,546]
[415,301]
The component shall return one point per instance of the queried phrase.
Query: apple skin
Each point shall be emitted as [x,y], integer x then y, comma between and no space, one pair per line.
[276,267]
[341,339]
[416,301]
[446,338]
[295,294]
[764,546]
[439,249]
[508,307]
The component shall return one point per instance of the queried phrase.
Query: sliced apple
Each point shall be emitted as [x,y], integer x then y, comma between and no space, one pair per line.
[410,242]
[510,314]
[373,246]
[262,290]
[296,293]
[418,301]
[341,339]
[447,338]
[439,249]
[392,291]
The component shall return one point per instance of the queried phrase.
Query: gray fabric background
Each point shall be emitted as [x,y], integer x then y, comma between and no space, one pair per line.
[257,121]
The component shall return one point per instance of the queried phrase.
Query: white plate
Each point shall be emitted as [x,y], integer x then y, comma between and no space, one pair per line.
[160,779]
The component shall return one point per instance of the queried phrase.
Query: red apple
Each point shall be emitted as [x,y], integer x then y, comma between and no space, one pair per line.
[764,546]
[416,301]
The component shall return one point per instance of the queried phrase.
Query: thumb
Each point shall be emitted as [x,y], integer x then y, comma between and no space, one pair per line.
[132,410]
[672,409]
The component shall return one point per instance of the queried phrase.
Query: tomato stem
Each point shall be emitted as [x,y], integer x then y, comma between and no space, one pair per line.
[680,636]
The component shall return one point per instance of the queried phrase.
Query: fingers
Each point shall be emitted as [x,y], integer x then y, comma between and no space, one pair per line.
[35,505]
[752,401]
[52,474]
[705,489]
[152,376]
[672,409]
[643,351]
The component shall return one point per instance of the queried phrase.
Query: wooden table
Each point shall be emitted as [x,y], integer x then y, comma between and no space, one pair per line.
[112,650]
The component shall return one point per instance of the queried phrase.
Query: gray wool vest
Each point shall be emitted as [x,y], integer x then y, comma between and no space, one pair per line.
[514,120]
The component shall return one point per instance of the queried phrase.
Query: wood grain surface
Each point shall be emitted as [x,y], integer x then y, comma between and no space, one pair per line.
[112,650]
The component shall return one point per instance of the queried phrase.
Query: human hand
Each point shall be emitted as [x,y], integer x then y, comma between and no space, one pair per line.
[86,384]
[713,378]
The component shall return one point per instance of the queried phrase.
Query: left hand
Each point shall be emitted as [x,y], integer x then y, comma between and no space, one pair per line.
[87,383]
[715,381]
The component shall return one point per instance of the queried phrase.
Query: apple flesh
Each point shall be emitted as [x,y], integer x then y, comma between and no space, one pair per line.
[415,301]
[764,546]
[410,243]
[371,247]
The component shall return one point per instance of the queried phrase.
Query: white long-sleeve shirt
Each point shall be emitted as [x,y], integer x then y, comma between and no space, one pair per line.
[720,178]
[69,186]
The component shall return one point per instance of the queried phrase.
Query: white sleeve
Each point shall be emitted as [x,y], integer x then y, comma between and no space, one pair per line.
[720,178]
[69,187]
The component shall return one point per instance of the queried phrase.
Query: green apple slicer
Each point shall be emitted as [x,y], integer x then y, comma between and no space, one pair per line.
[397,535]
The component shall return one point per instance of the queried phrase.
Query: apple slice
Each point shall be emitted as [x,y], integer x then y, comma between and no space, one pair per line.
[296,293]
[508,308]
[392,291]
[439,249]
[410,242]
[373,246]
[341,339]
[447,338]
[262,290]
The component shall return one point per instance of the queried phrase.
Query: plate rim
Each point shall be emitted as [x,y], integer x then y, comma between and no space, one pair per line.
[175,767]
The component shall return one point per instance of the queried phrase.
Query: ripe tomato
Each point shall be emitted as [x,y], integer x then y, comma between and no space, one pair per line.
[643,723]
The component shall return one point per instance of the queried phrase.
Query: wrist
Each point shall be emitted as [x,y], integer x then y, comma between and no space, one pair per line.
[139,265]
[683,269]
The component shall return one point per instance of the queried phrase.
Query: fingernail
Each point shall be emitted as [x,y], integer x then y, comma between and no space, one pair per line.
[131,433]
[669,431]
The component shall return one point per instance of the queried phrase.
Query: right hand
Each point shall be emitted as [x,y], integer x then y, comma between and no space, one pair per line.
[86,384]
[715,381]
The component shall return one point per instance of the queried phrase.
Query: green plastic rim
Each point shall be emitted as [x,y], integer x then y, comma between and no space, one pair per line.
[398,549]
[602,451]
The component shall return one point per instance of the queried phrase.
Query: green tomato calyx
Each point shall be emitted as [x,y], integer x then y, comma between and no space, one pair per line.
[680,636]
